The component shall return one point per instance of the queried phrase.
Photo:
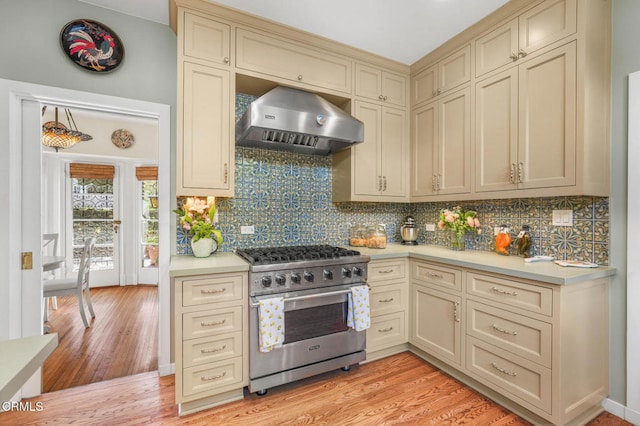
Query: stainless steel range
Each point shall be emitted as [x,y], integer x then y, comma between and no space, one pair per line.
[313,282]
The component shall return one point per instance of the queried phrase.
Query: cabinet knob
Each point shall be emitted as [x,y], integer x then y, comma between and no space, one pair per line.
[381,97]
[521,53]
[300,77]
[385,98]
[226,59]
[434,92]
[513,57]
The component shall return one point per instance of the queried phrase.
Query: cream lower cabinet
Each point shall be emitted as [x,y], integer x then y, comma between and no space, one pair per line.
[211,344]
[539,349]
[374,169]
[441,147]
[389,302]
[526,124]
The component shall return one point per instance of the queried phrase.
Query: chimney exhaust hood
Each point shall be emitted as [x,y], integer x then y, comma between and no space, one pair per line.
[294,120]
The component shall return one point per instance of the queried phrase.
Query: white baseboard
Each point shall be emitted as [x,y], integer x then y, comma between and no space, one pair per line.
[621,411]
[167,370]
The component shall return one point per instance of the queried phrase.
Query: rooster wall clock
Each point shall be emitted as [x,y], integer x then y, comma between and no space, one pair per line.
[92,45]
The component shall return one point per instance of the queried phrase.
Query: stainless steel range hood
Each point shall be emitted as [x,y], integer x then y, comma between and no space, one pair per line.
[295,120]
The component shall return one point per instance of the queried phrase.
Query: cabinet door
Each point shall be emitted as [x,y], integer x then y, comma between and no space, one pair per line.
[272,56]
[498,48]
[204,165]
[454,145]
[547,119]
[546,23]
[424,150]
[368,82]
[393,150]
[496,140]
[435,323]
[424,86]
[367,179]
[206,39]
[454,70]
[394,89]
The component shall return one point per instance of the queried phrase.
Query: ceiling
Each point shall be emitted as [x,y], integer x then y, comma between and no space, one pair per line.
[403,30]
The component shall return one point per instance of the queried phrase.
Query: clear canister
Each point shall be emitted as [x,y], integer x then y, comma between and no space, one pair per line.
[377,237]
[358,236]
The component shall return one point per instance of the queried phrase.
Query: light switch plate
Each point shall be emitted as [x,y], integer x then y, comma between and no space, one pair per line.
[563,218]
[431,227]
[247,230]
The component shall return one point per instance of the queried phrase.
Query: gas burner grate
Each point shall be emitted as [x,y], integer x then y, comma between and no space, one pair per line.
[286,254]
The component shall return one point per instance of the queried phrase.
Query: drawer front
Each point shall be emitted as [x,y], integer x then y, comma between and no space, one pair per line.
[526,337]
[385,299]
[521,295]
[211,322]
[211,289]
[386,331]
[219,376]
[386,270]
[440,276]
[510,374]
[211,349]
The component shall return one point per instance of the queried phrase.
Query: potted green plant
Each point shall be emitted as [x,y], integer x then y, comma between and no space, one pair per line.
[198,218]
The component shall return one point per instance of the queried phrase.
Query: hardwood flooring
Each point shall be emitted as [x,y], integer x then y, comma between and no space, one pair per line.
[398,390]
[122,339]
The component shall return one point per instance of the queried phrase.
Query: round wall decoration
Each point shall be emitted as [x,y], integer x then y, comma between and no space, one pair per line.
[92,45]
[122,138]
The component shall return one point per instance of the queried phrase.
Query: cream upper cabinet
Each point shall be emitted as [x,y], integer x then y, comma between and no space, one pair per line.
[441,146]
[379,85]
[378,162]
[525,124]
[536,28]
[272,56]
[205,150]
[206,39]
[447,74]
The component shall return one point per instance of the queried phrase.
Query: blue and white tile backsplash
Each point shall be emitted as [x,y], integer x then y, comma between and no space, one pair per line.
[287,198]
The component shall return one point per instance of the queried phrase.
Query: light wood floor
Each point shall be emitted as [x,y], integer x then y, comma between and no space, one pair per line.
[399,390]
[122,339]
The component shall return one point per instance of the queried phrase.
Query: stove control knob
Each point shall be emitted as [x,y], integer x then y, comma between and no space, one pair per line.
[346,272]
[327,274]
[266,281]
[295,278]
[308,276]
[357,271]
[281,279]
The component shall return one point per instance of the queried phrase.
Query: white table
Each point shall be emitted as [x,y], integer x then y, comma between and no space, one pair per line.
[50,263]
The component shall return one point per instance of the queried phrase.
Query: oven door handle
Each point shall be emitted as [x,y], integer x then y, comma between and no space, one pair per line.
[255,304]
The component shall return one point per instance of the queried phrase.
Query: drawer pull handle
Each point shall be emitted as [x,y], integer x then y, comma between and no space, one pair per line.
[218,290]
[502,330]
[503,371]
[212,350]
[386,300]
[209,378]
[385,271]
[500,291]
[432,275]
[212,323]
[385,330]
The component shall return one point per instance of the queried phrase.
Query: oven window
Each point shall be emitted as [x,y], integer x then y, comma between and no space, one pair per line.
[308,323]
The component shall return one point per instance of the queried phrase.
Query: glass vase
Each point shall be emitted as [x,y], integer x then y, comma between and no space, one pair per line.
[457,240]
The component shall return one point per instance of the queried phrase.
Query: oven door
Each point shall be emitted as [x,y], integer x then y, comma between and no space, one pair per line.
[315,330]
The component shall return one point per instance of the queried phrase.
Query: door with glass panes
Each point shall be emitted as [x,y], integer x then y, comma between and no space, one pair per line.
[148,224]
[94,207]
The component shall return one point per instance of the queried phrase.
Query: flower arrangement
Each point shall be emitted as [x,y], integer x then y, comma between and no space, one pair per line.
[198,218]
[459,221]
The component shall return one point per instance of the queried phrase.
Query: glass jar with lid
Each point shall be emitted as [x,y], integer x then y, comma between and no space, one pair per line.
[377,237]
[358,236]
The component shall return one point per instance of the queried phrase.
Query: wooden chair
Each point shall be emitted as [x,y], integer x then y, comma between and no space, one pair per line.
[74,285]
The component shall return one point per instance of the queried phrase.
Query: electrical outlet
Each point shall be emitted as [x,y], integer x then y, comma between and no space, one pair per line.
[562,218]
[431,227]
[247,230]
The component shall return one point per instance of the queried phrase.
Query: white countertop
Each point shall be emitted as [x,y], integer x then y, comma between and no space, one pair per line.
[548,272]
[20,358]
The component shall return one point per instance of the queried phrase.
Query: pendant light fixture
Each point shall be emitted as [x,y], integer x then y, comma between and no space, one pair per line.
[56,135]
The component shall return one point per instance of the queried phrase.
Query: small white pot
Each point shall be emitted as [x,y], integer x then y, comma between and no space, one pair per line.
[204,247]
